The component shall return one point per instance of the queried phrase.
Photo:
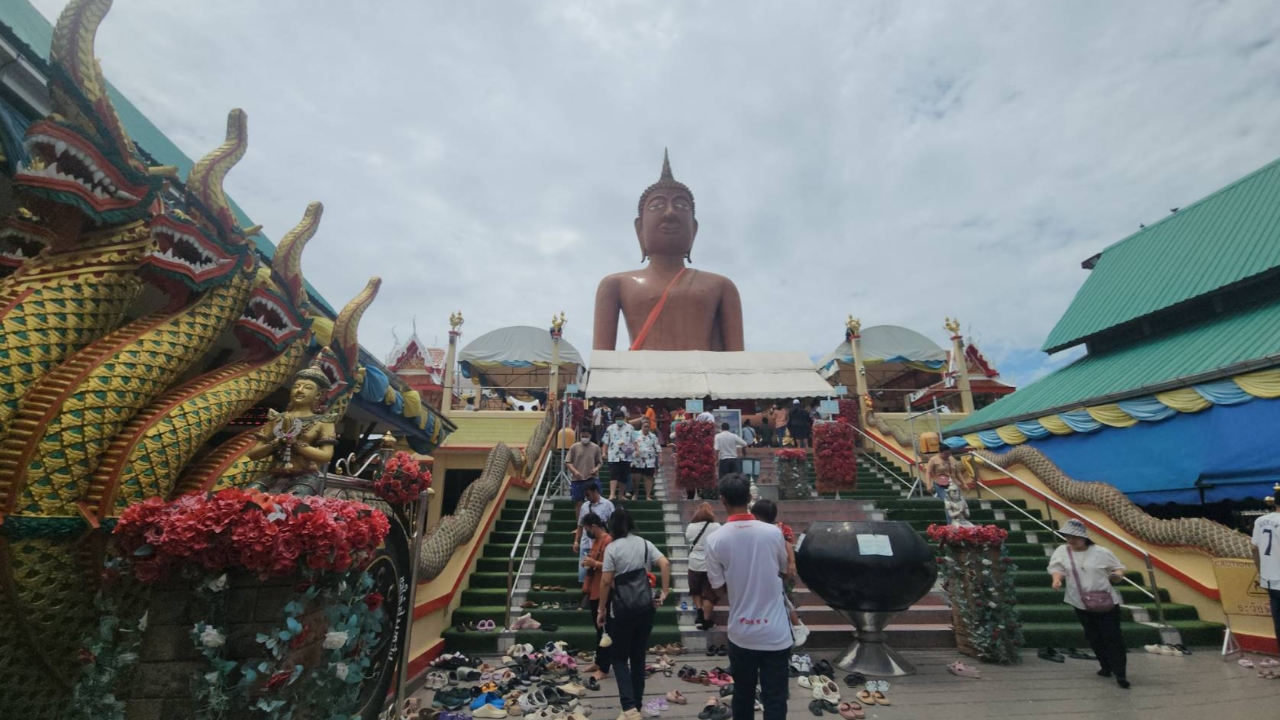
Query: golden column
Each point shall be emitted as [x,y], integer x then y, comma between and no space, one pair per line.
[455,331]
[853,329]
[557,332]
[961,364]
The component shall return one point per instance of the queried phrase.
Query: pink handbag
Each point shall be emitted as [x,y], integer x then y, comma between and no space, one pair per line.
[1098,601]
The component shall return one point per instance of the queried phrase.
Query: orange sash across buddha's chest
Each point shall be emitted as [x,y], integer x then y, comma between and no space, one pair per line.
[655,312]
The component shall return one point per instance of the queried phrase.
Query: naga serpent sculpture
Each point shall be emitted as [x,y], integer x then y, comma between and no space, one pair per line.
[454,531]
[89,199]
[1198,533]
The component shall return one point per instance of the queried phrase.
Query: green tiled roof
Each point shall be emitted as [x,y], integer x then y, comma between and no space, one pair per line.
[1227,237]
[31,28]
[1195,353]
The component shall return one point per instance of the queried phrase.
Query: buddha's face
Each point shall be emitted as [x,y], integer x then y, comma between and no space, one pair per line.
[666,225]
[305,393]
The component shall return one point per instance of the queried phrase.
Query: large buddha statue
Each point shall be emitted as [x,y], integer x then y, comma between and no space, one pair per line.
[668,305]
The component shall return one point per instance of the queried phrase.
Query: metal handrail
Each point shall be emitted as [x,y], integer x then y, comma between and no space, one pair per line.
[893,473]
[541,486]
[1153,593]
[544,488]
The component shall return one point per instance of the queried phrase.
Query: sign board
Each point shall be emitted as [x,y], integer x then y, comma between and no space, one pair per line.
[571,389]
[830,408]
[841,390]
[693,407]
[1239,589]
[733,417]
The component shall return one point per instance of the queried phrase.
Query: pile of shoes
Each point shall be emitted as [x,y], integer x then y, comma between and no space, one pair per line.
[539,683]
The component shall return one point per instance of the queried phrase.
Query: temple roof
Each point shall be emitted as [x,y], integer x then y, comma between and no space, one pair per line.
[1225,239]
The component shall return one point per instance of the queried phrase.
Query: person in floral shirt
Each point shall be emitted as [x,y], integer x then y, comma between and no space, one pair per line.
[620,443]
[645,461]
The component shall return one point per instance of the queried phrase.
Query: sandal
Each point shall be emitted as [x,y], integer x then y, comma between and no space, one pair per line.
[880,698]
[592,684]
[866,698]
[851,711]
[815,707]
[708,709]
[959,669]
[676,697]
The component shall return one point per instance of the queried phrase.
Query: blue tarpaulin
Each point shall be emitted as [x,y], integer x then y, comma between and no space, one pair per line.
[1227,452]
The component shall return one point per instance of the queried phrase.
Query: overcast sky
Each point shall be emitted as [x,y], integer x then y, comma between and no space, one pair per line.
[898,161]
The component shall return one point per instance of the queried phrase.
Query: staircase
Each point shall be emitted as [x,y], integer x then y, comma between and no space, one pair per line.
[1046,620]
[553,563]
[881,494]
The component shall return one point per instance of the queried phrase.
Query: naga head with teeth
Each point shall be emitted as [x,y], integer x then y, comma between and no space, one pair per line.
[81,163]
[198,242]
[340,358]
[22,236]
[275,315]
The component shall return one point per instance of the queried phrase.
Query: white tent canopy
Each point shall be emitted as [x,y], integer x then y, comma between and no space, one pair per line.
[696,374]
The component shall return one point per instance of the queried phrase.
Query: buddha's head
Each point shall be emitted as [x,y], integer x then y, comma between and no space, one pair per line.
[665,222]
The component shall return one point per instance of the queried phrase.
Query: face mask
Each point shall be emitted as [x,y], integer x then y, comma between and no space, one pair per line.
[621,422]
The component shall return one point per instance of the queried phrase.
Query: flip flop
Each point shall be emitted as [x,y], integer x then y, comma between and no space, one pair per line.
[1245,662]
[959,669]
[866,698]
[851,711]
[880,698]
[708,709]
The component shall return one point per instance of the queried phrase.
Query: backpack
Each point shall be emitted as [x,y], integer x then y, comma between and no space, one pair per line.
[632,593]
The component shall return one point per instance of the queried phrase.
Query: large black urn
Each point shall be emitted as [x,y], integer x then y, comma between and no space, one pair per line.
[869,571]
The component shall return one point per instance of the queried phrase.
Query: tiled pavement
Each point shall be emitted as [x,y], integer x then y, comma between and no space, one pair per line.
[1164,688]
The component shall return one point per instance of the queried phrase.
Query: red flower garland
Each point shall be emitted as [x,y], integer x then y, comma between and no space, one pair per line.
[967,536]
[234,528]
[834,466]
[848,411]
[402,480]
[791,454]
[695,455]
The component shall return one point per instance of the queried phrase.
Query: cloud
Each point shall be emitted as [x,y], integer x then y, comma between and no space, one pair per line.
[901,162]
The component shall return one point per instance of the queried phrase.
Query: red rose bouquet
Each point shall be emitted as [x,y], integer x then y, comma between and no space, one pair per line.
[695,455]
[235,528]
[402,480]
[834,466]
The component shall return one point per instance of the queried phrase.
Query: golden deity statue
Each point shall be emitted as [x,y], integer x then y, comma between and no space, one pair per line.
[299,440]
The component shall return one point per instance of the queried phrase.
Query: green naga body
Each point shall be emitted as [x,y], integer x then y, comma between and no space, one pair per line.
[57,304]
[56,440]
[89,196]
[145,459]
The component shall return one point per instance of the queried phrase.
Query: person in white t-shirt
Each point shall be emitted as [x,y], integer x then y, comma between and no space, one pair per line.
[749,558]
[1080,567]
[728,447]
[1266,555]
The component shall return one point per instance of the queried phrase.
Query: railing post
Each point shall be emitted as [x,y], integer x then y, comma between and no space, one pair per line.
[1155,591]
